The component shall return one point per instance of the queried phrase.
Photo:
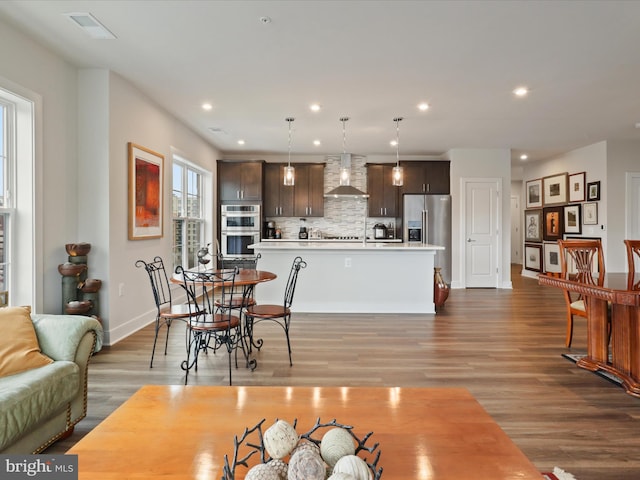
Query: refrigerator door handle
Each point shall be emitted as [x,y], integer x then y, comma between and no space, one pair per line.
[425,226]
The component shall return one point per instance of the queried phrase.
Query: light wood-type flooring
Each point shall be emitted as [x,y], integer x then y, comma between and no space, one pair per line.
[504,346]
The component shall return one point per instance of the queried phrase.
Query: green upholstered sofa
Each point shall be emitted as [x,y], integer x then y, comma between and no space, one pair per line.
[42,405]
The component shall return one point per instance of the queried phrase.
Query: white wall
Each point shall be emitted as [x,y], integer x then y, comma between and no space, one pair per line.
[481,163]
[133,117]
[32,66]
[622,157]
[591,159]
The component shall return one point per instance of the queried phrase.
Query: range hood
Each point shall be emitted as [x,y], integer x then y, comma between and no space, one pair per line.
[345,191]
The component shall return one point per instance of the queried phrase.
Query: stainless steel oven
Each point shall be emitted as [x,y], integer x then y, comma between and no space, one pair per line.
[236,244]
[239,218]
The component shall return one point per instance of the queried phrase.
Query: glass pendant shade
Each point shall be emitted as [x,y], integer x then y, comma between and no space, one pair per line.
[289,171]
[345,176]
[398,176]
[289,175]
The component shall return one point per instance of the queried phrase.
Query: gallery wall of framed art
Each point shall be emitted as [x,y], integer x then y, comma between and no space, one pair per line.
[556,206]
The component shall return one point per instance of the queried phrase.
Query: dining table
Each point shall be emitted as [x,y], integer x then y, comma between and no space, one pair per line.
[616,296]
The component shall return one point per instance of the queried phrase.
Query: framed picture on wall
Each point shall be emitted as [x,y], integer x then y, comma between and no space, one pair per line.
[590,213]
[555,189]
[534,193]
[572,220]
[593,191]
[145,193]
[576,187]
[533,225]
[552,258]
[553,223]
[533,257]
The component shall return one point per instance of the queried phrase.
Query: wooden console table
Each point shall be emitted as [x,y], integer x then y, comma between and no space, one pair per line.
[622,358]
[184,432]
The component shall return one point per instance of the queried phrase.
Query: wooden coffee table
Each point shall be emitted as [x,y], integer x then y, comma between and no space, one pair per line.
[184,432]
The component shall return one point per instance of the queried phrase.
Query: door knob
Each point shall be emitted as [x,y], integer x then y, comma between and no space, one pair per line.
[469,240]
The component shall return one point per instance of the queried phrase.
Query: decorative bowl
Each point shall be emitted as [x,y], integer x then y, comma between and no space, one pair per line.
[78,249]
[71,269]
[251,444]
[78,307]
[91,285]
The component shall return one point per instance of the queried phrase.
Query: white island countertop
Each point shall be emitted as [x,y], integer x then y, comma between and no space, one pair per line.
[338,245]
[351,276]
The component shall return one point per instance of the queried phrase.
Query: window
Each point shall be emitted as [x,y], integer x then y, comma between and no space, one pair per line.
[6,161]
[191,214]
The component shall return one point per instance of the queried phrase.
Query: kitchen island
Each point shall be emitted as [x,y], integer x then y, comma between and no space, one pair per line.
[351,277]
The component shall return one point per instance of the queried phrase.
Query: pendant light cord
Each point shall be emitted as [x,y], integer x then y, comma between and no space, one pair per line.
[397,120]
[289,120]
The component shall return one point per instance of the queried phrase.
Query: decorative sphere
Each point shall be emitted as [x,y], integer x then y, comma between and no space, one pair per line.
[262,471]
[335,444]
[354,466]
[280,467]
[306,465]
[341,476]
[280,439]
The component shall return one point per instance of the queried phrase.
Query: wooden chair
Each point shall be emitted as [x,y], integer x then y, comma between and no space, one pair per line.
[582,261]
[167,312]
[280,314]
[633,251]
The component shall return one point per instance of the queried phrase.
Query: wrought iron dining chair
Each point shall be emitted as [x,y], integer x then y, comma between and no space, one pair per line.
[167,311]
[213,327]
[242,298]
[280,314]
[582,261]
[633,255]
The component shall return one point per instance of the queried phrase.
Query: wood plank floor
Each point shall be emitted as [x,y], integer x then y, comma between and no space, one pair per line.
[504,346]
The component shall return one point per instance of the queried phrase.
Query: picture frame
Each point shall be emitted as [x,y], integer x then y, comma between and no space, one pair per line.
[555,189]
[576,187]
[593,191]
[590,213]
[533,225]
[534,193]
[552,258]
[533,257]
[572,219]
[553,223]
[145,206]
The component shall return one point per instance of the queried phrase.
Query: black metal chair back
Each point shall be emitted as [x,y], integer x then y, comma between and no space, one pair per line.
[290,289]
[216,325]
[159,281]
[250,263]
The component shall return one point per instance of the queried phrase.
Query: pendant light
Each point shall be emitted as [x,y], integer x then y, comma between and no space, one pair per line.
[397,174]
[289,171]
[345,169]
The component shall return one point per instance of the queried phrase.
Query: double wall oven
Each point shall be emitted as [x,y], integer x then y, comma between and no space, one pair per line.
[239,228]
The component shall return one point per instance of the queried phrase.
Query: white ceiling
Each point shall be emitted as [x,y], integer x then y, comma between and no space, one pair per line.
[370,61]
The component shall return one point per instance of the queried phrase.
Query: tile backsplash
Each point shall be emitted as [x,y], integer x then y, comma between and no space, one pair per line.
[342,216]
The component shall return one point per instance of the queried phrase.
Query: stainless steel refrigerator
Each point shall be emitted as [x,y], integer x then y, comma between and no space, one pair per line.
[427,219]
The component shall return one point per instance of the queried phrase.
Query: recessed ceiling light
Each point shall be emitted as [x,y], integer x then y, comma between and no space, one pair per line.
[317,143]
[393,143]
[240,142]
[315,107]
[207,106]
[524,156]
[90,25]
[265,20]
[423,107]
[521,92]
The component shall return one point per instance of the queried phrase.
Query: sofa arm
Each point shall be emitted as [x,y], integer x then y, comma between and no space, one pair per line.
[60,335]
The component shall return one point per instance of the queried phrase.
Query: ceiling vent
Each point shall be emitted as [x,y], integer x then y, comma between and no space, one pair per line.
[90,25]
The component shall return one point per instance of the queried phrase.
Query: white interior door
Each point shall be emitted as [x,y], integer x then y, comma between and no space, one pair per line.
[633,206]
[481,234]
